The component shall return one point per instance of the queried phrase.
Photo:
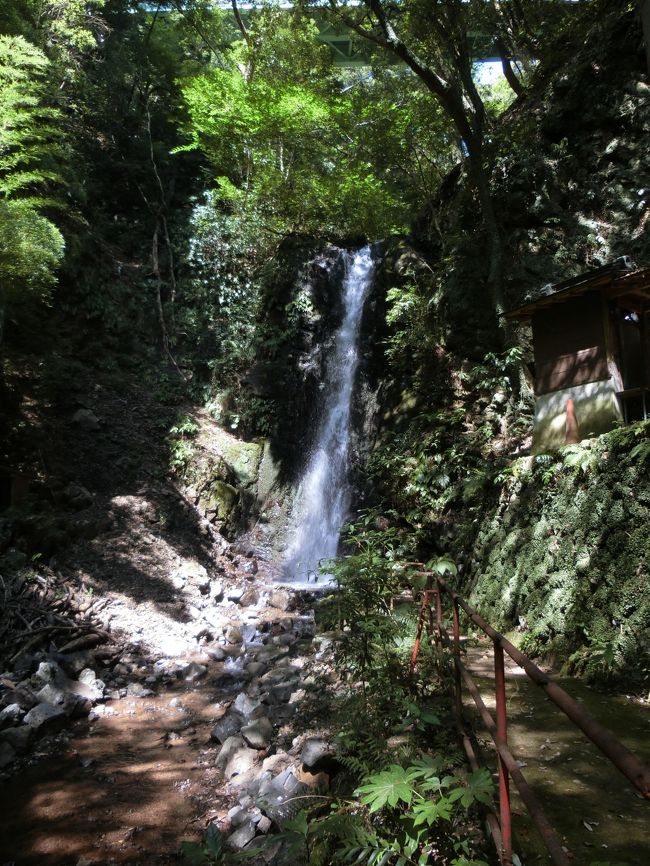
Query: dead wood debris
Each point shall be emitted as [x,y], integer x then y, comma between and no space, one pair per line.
[43,607]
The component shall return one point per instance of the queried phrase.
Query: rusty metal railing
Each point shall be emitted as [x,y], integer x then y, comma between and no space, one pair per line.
[624,760]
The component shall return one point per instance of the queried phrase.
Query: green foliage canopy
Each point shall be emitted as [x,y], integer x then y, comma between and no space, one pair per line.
[31,246]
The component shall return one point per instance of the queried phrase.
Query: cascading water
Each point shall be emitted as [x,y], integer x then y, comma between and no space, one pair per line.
[323,496]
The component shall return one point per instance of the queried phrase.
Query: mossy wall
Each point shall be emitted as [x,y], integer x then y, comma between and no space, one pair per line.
[564,555]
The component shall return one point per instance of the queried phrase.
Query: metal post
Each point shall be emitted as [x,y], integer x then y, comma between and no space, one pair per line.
[418,636]
[439,605]
[457,680]
[502,736]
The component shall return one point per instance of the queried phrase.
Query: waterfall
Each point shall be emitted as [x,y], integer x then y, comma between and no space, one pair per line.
[323,496]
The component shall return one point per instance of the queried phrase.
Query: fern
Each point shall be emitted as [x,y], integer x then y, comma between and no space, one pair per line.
[641,452]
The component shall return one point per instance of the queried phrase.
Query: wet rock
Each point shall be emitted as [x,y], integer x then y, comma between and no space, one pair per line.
[45,719]
[227,727]
[258,733]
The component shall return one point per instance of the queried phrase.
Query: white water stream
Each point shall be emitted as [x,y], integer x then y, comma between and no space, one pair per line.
[323,496]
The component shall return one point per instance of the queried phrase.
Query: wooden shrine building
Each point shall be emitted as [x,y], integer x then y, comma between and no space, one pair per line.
[591,342]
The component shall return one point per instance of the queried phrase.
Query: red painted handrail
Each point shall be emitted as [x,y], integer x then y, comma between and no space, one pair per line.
[624,760]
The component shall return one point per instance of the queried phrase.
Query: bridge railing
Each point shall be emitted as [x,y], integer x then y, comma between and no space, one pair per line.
[431,613]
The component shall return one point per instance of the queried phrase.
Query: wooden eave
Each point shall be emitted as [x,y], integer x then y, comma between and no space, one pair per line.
[630,290]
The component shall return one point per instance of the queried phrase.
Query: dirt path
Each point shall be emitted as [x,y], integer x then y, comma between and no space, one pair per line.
[201,685]
[123,789]
[146,771]
[593,807]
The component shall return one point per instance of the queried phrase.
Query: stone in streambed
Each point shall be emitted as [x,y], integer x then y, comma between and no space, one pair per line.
[315,750]
[193,671]
[18,738]
[227,727]
[45,719]
[72,704]
[11,715]
[250,597]
[280,599]
[244,834]
[258,734]
[247,706]
[235,758]
[233,635]
[255,668]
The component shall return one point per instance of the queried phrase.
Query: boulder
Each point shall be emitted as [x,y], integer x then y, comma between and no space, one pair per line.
[193,671]
[227,727]
[194,573]
[250,597]
[11,715]
[280,599]
[18,738]
[258,733]
[45,719]
[244,834]
[72,704]
[88,685]
[248,707]
[235,758]
[315,750]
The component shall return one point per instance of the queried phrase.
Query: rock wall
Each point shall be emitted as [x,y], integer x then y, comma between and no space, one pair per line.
[562,553]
